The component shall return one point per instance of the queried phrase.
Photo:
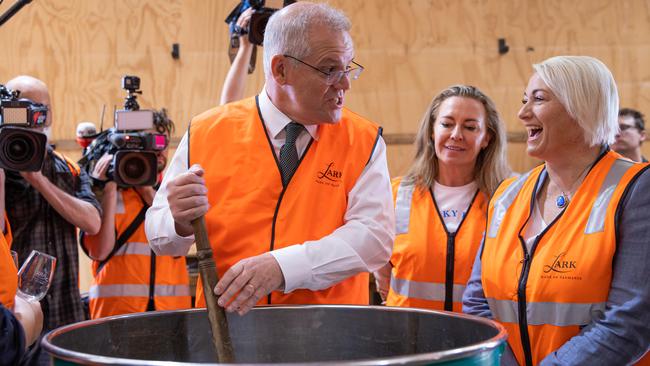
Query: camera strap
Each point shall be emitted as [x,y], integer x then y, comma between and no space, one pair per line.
[124,237]
[74,168]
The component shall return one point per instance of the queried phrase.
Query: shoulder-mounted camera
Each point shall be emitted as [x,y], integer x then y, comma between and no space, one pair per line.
[22,147]
[131,142]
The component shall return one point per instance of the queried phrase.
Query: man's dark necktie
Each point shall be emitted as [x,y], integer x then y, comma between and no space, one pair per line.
[288,152]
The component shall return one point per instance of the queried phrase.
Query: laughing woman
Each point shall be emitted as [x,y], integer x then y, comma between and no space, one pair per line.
[564,264]
[440,204]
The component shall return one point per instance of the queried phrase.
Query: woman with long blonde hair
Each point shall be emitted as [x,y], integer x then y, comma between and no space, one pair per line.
[440,204]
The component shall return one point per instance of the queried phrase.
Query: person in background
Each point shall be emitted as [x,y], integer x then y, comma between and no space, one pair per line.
[441,203]
[631,134]
[128,276]
[20,327]
[564,263]
[235,83]
[21,321]
[86,133]
[294,187]
[45,208]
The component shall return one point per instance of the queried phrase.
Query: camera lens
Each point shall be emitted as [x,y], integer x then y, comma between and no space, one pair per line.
[135,168]
[21,149]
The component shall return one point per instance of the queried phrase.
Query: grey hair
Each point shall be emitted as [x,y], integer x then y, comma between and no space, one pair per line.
[287,29]
[587,90]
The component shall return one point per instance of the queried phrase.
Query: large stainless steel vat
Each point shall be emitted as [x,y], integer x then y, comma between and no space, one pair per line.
[335,335]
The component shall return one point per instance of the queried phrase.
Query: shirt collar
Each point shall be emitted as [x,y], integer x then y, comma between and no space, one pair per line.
[275,120]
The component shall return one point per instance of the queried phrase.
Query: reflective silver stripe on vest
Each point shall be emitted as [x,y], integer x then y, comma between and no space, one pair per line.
[101,291]
[403,207]
[502,204]
[424,290]
[596,222]
[137,248]
[552,313]
[119,205]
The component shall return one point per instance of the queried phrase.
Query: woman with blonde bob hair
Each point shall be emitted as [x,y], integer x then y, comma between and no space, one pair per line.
[440,204]
[564,262]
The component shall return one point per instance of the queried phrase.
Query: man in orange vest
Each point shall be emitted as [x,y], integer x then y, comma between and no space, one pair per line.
[127,276]
[293,186]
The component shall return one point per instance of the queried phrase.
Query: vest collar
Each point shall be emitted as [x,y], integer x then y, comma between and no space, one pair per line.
[275,121]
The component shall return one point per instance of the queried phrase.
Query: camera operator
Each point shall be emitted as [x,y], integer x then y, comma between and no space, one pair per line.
[128,276]
[44,209]
[235,83]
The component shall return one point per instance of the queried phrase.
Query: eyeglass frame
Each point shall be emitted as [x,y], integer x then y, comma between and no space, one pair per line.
[623,127]
[328,75]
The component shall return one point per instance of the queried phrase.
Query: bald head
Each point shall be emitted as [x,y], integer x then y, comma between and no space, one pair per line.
[32,89]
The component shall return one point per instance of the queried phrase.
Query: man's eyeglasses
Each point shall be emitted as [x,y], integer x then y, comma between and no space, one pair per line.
[624,128]
[333,77]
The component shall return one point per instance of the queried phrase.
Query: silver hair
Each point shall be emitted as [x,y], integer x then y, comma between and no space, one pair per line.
[287,29]
[587,90]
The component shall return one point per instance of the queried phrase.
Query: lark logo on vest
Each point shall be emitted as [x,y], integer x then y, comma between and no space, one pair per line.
[329,176]
[560,267]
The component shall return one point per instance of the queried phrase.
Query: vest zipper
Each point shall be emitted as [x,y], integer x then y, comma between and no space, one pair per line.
[151,305]
[521,303]
[449,272]
[451,250]
[275,217]
[284,189]
[521,293]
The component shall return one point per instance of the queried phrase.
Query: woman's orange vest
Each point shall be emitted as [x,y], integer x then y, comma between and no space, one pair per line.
[251,213]
[430,265]
[125,283]
[545,297]
[8,271]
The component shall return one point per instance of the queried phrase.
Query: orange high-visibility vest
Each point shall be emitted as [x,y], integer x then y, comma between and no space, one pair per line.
[134,273]
[430,265]
[8,271]
[250,211]
[545,297]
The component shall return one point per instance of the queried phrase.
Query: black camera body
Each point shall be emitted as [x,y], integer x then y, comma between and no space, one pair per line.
[258,21]
[134,151]
[21,147]
[257,25]
[131,83]
[134,156]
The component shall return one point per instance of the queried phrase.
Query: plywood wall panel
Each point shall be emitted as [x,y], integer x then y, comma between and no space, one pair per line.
[411,49]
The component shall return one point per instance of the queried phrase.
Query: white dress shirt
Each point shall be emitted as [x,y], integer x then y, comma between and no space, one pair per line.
[362,244]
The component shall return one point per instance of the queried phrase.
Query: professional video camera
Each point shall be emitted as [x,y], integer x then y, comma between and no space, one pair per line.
[259,18]
[22,148]
[134,150]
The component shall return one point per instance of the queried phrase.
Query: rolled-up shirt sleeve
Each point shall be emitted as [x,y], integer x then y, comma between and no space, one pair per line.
[159,223]
[362,244]
[622,334]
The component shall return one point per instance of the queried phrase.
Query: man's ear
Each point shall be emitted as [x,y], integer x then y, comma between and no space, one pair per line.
[279,65]
[643,137]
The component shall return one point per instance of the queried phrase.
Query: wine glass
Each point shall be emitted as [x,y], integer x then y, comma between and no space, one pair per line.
[14,256]
[35,276]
